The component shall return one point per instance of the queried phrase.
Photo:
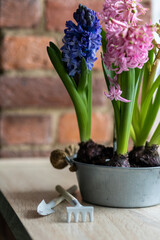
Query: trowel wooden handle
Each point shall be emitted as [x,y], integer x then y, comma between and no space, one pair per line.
[61,197]
[72,189]
[66,195]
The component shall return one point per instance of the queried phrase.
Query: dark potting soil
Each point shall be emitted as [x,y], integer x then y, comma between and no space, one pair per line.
[93,153]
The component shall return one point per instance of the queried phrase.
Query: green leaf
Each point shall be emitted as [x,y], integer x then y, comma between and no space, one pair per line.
[107,73]
[145,81]
[59,54]
[136,111]
[56,49]
[103,40]
[149,120]
[79,105]
[89,106]
[156,137]
[151,56]
[148,99]
[147,69]
[83,76]
[114,103]
[126,110]
[59,67]
[152,71]
[132,134]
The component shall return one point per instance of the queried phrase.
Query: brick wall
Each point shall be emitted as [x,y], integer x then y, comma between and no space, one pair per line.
[36,114]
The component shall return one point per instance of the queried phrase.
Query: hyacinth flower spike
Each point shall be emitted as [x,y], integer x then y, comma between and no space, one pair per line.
[74,63]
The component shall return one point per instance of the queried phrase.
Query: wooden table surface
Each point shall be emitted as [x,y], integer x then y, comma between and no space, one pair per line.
[25,182]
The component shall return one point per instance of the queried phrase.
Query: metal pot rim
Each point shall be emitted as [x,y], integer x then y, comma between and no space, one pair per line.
[109,167]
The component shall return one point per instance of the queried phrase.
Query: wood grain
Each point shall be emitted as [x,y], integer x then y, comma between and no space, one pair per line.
[25,182]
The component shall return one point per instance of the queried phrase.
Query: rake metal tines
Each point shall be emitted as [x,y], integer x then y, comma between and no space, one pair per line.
[78,209]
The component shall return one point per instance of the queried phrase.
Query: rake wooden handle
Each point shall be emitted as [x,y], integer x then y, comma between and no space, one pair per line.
[60,198]
[72,200]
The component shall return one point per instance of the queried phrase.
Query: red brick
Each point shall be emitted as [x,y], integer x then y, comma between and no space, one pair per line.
[4,153]
[68,129]
[33,92]
[101,128]
[98,63]
[26,130]
[60,11]
[99,86]
[25,52]
[16,92]
[24,13]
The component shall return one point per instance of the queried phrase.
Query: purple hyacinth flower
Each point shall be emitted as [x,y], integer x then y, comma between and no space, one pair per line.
[81,40]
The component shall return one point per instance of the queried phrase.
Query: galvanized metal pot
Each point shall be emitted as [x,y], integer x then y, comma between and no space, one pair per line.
[119,187]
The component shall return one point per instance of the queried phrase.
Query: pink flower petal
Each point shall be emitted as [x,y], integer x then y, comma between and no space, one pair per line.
[115,94]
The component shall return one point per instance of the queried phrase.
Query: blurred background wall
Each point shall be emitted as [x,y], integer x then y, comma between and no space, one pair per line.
[36,114]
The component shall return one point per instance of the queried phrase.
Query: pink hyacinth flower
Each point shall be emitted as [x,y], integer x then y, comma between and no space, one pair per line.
[128,48]
[115,94]
[122,10]
[127,42]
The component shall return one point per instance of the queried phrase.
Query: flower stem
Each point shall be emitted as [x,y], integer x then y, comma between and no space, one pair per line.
[126,110]
[89,107]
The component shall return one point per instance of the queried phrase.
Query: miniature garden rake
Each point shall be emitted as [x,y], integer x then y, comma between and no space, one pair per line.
[77,209]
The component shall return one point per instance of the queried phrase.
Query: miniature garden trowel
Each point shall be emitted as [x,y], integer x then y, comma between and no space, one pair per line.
[46,208]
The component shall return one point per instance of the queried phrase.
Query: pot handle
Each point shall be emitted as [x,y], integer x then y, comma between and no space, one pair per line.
[70,161]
